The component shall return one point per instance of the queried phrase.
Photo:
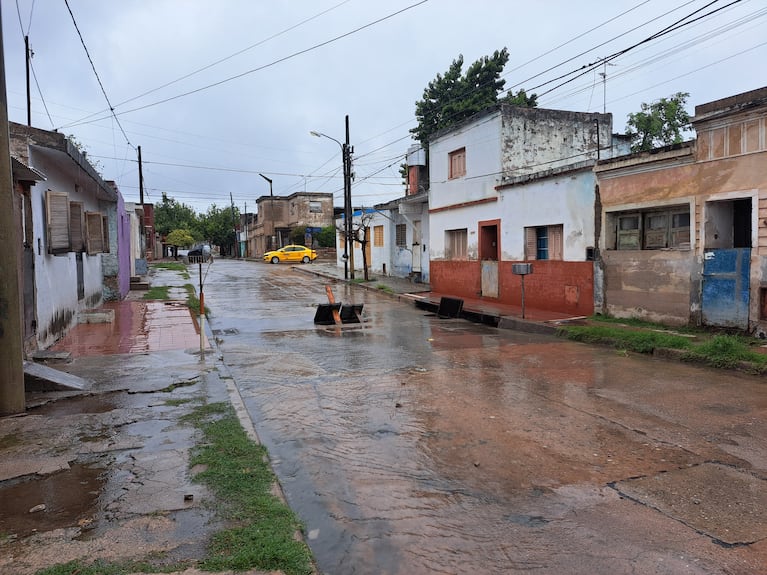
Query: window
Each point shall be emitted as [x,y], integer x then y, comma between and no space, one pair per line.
[456,247]
[457,164]
[652,229]
[57,218]
[401,235]
[544,242]
[94,232]
[378,236]
[315,207]
[76,227]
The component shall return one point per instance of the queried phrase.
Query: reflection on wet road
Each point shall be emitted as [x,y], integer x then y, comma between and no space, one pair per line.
[413,444]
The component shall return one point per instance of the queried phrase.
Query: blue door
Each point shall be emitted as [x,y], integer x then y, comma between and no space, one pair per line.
[725,296]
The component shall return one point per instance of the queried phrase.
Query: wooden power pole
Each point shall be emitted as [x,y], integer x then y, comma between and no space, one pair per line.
[11,348]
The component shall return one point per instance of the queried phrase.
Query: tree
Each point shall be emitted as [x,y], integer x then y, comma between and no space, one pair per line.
[360,229]
[218,227]
[661,123]
[454,97]
[178,239]
[171,215]
[327,237]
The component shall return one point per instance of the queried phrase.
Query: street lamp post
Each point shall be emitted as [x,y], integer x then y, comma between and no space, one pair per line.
[346,153]
[271,201]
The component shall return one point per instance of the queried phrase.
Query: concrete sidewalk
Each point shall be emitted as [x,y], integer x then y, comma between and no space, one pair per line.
[104,474]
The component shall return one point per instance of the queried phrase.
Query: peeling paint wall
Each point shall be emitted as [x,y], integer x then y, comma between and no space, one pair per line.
[727,163]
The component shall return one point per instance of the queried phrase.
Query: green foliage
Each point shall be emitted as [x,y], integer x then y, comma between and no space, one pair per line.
[217,226]
[661,123]
[171,215]
[238,472]
[455,96]
[728,352]
[173,266]
[639,341]
[157,292]
[298,235]
[179,238]
[327,237]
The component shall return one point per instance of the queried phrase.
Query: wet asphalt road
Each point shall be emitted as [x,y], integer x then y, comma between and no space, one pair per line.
[413,444]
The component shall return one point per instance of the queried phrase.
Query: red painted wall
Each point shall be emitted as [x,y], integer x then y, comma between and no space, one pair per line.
[566,287]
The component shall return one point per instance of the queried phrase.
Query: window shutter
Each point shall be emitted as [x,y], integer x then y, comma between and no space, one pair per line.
[531,244]
[555,242]
[94,233]
[105,236]
[76,227]
[57,215]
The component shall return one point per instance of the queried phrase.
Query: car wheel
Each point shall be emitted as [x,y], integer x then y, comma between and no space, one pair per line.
[306,259]
[275,260]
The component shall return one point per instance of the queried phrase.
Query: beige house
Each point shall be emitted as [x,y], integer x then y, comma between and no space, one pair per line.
[684,228]
[278,215]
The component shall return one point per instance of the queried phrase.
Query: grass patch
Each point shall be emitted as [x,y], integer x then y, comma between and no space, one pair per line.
[238,472]
[727,351]
[104,568]
[174,266]
[262,527]
[157,292]
[193,302]
[626,339]
[384,288]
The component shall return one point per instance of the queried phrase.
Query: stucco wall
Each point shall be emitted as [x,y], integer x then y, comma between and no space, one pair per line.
[57,300]
[649,284]
[483,163]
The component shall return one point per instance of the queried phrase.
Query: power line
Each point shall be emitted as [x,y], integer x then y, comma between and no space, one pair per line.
[103,91]
[270,64]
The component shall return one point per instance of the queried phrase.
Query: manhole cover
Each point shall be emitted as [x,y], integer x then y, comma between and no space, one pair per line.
[726,504]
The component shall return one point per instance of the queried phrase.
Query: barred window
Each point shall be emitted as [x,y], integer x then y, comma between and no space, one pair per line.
[401,235]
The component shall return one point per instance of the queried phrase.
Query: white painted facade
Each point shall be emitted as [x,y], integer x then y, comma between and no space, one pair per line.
[70,282]
[525,167]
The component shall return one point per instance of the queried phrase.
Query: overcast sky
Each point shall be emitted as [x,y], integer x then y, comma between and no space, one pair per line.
[216,92]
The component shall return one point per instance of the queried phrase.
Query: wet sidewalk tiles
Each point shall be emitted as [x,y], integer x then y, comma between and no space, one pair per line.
[138,327]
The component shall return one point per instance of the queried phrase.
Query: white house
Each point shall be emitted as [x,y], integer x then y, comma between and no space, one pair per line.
[516,185]
[64,221]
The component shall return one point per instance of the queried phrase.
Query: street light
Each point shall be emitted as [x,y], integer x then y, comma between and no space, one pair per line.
[346,154]
[271,195]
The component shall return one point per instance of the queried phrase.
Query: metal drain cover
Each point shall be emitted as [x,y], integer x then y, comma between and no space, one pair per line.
[726,504]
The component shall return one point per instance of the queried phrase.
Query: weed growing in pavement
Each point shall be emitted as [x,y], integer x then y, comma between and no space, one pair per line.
[631,340]
[384,288]
[727,351]
[99,567]
[172,266]
[193,302]
[263,528]
[237,471]
[157,292]
[699,345]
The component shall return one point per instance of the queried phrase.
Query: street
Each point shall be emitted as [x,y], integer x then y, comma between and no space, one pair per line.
[412,444]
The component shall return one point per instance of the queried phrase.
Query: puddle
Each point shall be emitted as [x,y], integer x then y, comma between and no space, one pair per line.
[77,405]
[70,499]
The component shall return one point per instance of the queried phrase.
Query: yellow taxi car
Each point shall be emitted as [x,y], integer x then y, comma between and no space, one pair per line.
[291,254]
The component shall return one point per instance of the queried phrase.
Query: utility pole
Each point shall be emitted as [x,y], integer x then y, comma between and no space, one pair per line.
[11,349]
[348,209]
[234,225]
[269,246]
[29,92]
[140,179]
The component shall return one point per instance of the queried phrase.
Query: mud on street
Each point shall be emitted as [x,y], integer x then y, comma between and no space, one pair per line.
[407,444]
[414,444]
